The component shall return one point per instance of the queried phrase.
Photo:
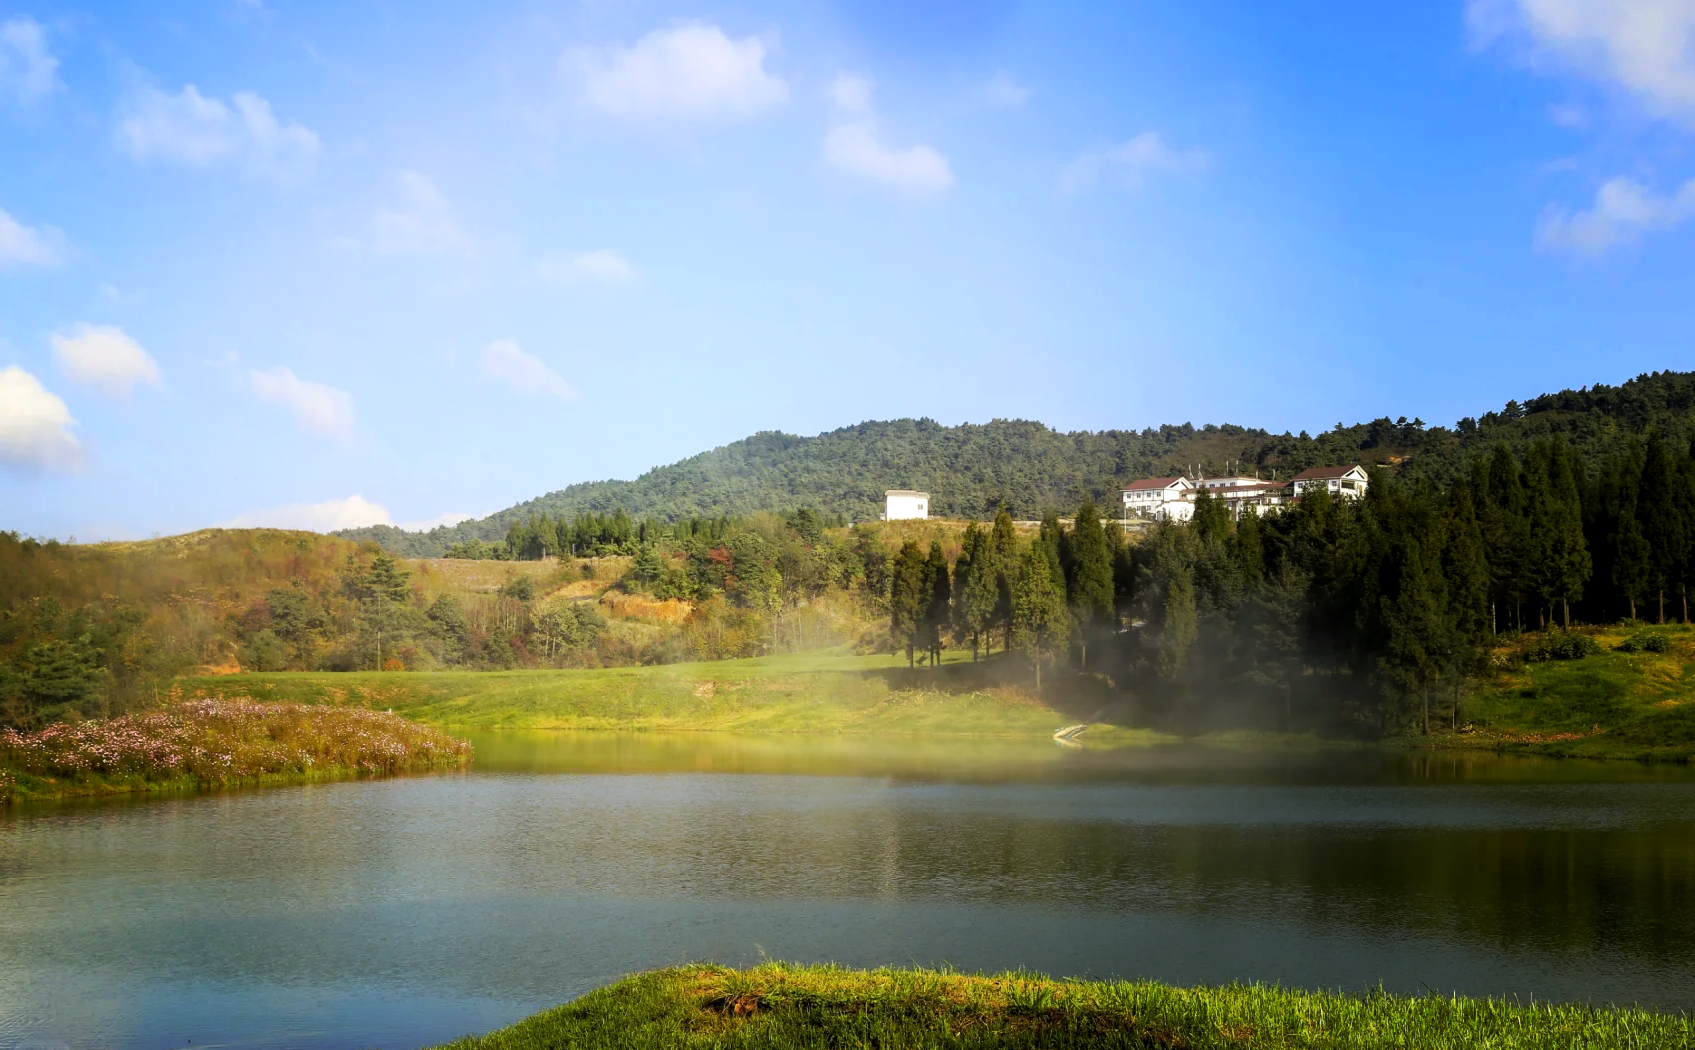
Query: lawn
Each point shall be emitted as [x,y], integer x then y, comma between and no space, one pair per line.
[1611,705]
[813,693]
[789,1006]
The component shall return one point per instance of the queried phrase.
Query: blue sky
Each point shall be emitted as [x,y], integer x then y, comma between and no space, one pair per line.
[330,264]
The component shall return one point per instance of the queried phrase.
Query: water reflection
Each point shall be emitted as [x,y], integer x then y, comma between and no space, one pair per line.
[402,912]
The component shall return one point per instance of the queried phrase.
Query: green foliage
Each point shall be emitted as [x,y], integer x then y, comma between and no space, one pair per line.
[1562,646]
[1645,642]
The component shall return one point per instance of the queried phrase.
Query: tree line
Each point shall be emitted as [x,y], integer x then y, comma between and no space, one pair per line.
[1369,611]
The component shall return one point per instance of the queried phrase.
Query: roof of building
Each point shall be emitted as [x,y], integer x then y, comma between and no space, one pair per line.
[1247,486]
[905,492]
[1153,483]
[1325,473]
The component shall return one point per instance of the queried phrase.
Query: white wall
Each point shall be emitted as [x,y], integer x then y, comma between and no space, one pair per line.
[901,508]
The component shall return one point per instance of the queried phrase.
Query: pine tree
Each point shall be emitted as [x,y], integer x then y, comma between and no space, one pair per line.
[969,551]
[938,607]
[1465,566]
[1247,549]
[980,593]
[1089,576]
[908,601]
[1660,512]
[1003,544]
[1040,624]
[1419,646]
[1632,558]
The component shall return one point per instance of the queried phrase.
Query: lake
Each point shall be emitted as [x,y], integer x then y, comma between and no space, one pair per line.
[401,913]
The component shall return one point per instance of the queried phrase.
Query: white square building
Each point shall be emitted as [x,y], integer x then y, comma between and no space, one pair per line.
[905,505]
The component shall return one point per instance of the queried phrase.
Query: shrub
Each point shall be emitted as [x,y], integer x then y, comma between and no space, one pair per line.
[1561,647]
[1645,642]
[221,740]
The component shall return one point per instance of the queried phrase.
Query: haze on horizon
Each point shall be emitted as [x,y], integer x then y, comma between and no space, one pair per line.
[323,265]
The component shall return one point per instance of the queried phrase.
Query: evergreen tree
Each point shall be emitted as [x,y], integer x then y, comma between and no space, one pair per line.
[1089,577]
[1003,546]
[938,607]
[1465,566]
[1040,624]
[1660,505]
[1419,646]
[908,601]
[1632,559]
[1248,550]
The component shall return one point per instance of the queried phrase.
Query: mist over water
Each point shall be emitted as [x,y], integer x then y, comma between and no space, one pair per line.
[405,912]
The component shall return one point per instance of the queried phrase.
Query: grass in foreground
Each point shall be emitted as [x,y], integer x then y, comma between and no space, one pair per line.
[216,742]
[783,1006]
[812,693]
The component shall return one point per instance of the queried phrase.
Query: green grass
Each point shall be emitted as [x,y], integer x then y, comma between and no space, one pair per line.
[811,693]
[782,1006]
[1614,705]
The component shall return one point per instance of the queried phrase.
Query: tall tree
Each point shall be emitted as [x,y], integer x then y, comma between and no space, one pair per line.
[1660,506]
[1003,546]
[908,601]
[1089,577]
[1040,624]
[938,606]
[1420,639]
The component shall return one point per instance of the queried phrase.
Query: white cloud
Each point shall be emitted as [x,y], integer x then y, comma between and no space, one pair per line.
[1647,47]
[1130,163]
[603,266]
[105,358]
[1002,90]
[316,407]
[504,360]
[35,426]
[27,69]
[351,513]
[685,72]
[191,128]
[1623,211]
[354,512]
[854,145]
[418,221]
[25,246]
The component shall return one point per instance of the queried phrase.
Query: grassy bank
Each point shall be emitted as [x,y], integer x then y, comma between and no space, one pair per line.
[785,1006]
[780,694]
[215,742]
[1630,705]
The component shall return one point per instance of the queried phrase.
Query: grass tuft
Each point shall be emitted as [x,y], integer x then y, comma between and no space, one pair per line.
[781,1005]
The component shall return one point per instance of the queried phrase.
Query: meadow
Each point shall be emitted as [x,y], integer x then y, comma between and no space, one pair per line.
[821,1006]
[814,693]
[1612,704]
[215,742]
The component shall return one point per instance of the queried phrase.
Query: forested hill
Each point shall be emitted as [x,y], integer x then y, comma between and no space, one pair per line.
[971,469]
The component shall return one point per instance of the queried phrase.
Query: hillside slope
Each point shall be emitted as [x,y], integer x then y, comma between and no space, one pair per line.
[971,469]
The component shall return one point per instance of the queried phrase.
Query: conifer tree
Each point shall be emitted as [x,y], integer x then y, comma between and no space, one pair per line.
[1632,558]
[962,569]
[1419,645]
[980,592]
[908,601]
[1465,566]
[1003,544]
[1660,512]
[938,605]
[1089,577]
[1040,624]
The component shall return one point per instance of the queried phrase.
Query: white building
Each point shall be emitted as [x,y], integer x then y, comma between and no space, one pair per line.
[1240,495]
[1162,499]
[1339,481]
[905,504]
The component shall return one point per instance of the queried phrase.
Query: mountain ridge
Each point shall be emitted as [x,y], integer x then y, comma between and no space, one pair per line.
[1028,466]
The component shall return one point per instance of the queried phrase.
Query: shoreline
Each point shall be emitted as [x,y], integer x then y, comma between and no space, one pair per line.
[779,1004]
